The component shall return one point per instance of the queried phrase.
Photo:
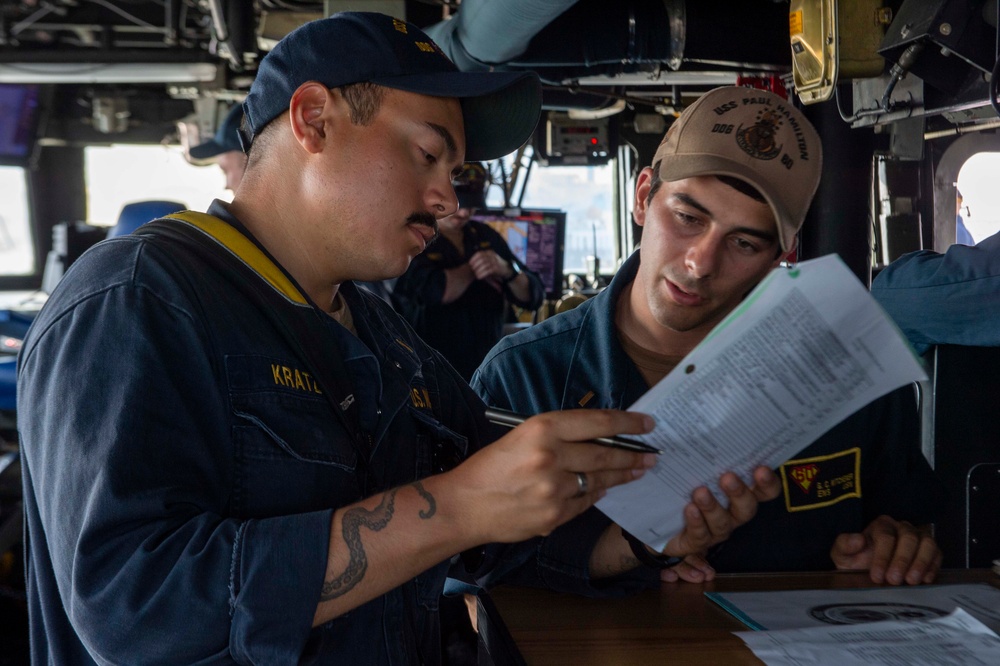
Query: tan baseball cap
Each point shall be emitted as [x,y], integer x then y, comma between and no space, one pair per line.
[753,135]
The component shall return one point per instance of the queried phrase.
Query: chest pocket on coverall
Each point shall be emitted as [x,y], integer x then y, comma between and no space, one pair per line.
[291,454]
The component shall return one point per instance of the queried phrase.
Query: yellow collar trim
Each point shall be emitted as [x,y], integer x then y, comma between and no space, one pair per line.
[243,249]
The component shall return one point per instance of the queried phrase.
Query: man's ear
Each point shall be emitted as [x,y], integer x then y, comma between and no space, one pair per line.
[311,115]
[642,188]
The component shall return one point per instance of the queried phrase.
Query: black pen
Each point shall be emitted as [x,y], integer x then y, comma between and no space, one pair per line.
[510,419]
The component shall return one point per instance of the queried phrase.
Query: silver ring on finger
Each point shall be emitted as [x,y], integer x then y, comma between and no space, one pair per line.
[582,486]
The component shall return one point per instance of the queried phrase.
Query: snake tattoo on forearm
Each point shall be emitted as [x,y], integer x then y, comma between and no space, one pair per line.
[374,520]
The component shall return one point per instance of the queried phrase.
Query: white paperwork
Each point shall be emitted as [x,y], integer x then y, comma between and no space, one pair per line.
[799,609]
[807,348]
[957,638]
[878,625]
[905,625]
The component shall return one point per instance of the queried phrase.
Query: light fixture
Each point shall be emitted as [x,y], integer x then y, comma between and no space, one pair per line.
[130,72]
[832,42]
[660,78]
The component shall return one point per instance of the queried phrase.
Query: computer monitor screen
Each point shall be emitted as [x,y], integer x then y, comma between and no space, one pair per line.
[18,121]
[536,238]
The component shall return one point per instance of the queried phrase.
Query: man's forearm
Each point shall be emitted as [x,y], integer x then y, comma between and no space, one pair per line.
[382,542]
[520,287]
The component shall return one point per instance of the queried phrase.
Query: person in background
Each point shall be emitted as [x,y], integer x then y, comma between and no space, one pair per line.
[224,149]
[265,464]
[457,293]
[950,298]
[962,235]
[720,207]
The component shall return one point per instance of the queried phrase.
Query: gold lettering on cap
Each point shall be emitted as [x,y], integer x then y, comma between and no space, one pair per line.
[425,47]
[399,25]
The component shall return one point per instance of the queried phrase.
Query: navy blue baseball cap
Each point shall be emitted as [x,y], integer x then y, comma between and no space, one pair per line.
[500,109]
[226,138]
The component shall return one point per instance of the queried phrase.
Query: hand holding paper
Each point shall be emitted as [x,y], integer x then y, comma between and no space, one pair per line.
[807,348]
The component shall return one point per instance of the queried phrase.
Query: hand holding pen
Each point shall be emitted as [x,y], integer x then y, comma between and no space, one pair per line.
[512,420]
[542,473]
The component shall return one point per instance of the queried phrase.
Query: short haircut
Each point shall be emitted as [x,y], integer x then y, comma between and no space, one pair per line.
[363,100]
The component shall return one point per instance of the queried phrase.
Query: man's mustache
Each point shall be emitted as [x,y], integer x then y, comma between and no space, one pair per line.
[427,220]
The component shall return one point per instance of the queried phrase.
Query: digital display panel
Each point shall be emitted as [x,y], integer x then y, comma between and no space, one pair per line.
[536,238]
[18,120]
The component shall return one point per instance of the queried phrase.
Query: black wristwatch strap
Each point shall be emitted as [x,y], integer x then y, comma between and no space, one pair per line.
[646,556]
[515,271]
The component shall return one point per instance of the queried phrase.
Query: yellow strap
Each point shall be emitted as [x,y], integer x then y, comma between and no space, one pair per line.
[243,249]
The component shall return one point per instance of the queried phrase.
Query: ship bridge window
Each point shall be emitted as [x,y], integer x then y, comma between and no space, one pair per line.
[978,210]
[17,254]
[120,174]
[586,194]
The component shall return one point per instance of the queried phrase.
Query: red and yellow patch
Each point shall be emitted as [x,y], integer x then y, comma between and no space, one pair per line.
[811,483]
[804,475]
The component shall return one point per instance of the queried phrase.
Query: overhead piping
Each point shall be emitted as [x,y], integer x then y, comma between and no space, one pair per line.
[488,32]
[226,49]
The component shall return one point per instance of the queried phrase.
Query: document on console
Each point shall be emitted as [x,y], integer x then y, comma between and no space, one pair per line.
[806,349]
[957,638]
